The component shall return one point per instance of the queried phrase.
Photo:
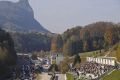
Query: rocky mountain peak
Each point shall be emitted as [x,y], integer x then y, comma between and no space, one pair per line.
[25,5]
[20,15]
[23,1]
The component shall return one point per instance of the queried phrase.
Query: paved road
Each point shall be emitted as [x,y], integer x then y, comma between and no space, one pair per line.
[43,76]
[61,76]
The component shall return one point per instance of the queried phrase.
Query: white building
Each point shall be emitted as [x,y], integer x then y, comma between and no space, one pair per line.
[102,60]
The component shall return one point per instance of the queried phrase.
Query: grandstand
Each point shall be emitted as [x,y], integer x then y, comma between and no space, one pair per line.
[94,68]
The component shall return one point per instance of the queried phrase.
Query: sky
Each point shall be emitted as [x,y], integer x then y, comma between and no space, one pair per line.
[59,15]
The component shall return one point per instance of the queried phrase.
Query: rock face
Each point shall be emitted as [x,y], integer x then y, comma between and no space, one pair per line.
[19,16]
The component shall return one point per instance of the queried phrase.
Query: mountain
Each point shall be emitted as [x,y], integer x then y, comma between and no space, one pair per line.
[19,17]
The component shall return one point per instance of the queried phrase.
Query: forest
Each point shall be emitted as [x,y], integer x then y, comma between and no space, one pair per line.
[30,42]
[95,36]
[8,55]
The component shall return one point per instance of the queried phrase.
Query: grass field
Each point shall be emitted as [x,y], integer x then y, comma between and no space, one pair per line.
[86,54]
[112,54]
[70,76]
[115,75]
[89,54]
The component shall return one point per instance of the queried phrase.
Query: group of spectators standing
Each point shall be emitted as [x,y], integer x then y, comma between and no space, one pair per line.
[93,69]
[24,72]
[25,69]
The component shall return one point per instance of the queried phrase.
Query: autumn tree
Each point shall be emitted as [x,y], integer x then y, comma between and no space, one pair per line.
[108,36]
[67,48]
[91,37]
[53,47]
[64,65]
[57,43]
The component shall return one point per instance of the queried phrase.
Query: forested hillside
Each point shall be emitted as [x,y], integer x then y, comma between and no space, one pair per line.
[30,42]
[8,55]
[7,51]
[91,37]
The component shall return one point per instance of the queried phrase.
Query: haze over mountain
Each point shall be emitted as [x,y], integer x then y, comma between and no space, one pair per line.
[19,16]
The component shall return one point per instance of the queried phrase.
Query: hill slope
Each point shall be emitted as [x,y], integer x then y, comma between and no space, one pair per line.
[30,42]
[8,55]
[7,51]
[91,37]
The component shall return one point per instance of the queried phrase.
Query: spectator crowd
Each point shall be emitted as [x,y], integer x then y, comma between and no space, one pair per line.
[93,70]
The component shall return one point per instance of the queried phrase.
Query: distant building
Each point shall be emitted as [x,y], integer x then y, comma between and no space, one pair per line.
[103,60]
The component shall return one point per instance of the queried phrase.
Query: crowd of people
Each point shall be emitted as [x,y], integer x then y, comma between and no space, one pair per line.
[93,68]
[25,69]
[24,72]
[27,72]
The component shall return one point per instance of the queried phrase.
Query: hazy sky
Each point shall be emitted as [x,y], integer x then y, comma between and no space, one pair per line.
[58,15]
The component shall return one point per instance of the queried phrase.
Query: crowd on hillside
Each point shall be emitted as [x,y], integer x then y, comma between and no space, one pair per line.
[93,68]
